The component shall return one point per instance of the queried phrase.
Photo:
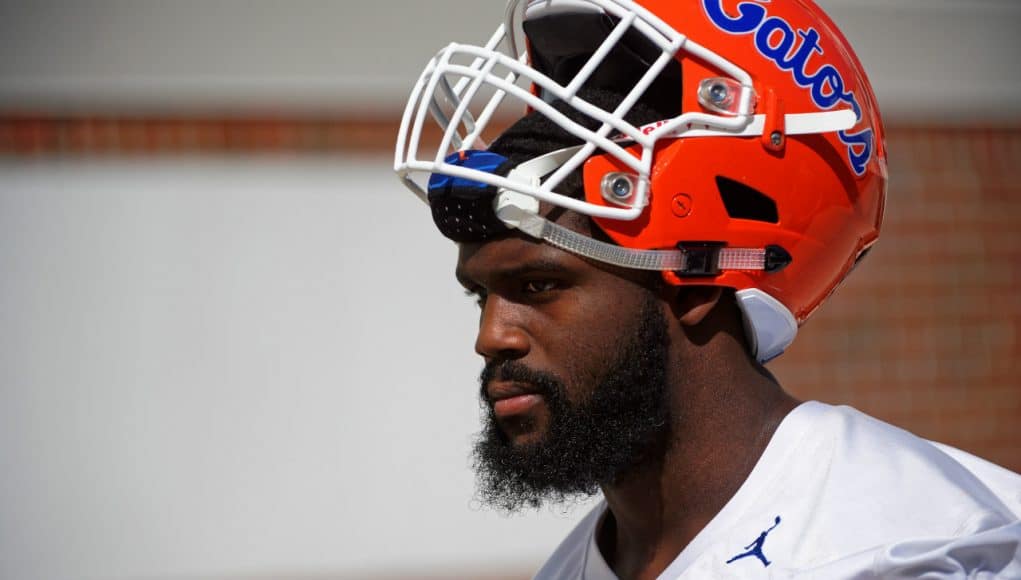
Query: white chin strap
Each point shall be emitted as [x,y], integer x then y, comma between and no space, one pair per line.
[769,325]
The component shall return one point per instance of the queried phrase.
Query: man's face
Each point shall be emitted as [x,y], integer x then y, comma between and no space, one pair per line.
[574,383]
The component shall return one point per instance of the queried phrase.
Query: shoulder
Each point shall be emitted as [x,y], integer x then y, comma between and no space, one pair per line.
[857,494]
[859,459]
[1005,484]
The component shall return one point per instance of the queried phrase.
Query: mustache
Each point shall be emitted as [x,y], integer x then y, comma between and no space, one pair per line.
[542,382]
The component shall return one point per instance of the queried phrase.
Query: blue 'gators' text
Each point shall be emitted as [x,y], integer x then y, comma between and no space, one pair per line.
[776,40]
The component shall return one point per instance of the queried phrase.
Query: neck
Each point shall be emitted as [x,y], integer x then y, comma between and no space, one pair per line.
[718,432]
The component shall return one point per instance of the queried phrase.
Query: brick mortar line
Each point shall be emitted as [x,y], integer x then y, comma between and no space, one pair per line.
[41,134]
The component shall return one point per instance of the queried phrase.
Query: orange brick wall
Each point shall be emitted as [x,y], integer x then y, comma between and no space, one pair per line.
[925,334]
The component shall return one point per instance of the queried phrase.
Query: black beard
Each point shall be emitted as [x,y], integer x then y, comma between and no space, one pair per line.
[620,424]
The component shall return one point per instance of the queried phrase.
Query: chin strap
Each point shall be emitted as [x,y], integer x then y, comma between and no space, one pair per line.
[695,258]
[690,260]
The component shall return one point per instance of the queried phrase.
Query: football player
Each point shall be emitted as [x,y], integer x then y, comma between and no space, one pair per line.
[678,186]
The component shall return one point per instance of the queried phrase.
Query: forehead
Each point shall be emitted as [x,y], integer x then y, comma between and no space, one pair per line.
[511,256]
[516,250]
[518,254]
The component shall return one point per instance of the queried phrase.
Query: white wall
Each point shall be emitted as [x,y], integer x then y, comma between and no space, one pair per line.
[926,58]
[234,367]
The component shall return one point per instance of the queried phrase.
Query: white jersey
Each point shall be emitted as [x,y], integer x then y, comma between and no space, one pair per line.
[838,494]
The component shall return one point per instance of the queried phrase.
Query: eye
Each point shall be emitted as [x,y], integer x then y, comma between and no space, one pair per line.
[539,286]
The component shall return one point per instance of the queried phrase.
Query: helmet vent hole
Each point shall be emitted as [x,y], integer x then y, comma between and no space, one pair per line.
[746,203]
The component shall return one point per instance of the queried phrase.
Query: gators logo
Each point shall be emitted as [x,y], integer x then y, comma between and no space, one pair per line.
[792,50]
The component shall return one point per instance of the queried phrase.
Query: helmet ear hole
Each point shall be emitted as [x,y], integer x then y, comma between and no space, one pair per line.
[745,202]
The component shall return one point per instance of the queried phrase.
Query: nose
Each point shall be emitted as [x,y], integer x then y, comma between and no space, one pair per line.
[501,332]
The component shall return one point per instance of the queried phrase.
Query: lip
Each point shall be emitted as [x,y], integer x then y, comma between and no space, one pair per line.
[511,398]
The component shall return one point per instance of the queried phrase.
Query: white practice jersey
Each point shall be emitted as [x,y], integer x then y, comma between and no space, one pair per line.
[838,494]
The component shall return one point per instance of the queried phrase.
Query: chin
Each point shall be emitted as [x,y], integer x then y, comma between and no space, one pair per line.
[524,428]
[520,432]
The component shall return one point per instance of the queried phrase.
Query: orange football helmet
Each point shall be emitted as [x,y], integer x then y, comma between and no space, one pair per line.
[765,174]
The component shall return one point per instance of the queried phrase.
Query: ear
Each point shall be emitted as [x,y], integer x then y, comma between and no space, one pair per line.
[692,304]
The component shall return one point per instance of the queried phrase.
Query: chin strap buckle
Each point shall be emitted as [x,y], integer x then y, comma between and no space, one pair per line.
[707,259]
[700,258]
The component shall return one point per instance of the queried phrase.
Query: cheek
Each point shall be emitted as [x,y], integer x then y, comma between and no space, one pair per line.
[584,345]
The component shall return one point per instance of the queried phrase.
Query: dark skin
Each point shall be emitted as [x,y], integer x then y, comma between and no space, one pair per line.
[556,312]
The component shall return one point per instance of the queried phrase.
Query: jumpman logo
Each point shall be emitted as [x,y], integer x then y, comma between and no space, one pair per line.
[755,548]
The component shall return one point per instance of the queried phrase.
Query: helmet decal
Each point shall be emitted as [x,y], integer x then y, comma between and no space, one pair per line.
[826,84]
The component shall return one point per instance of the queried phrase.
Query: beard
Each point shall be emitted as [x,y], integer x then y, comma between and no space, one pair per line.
[622,422]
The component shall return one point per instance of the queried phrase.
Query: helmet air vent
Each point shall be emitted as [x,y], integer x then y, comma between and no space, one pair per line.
[746,203]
